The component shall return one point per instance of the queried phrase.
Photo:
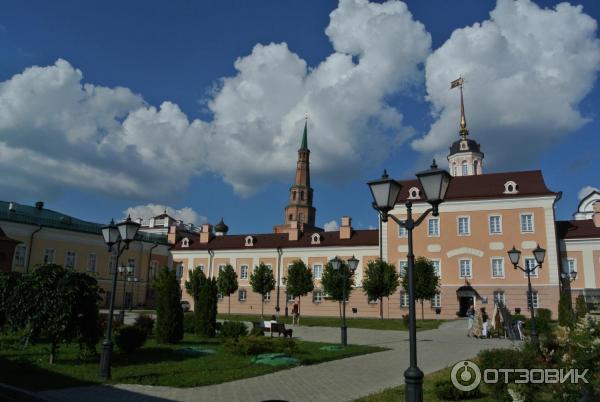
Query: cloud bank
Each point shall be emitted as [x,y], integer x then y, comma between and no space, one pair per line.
[186,215]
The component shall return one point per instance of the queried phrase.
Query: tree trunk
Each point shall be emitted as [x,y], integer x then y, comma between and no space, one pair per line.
[298,310]
[229,307]
[262,307]
[422,312]
[340,308]
[381,308]
[52,353]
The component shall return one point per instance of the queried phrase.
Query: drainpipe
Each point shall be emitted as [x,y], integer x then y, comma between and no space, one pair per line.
[31,247]
[279,253]
[210,262]
[148,277]
[563,285]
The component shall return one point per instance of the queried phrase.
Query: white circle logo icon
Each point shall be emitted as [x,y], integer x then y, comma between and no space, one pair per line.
[465,375]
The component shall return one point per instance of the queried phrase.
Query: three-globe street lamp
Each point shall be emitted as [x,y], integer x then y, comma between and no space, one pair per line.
[434,183]
[539,255]
[124,232]
[337,265]
[571,276]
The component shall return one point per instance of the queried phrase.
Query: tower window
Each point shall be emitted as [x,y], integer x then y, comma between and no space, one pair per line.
[291,217]
[454,169]
[475,167]
[301,217]
[294,195]
[465,168]
[302,195]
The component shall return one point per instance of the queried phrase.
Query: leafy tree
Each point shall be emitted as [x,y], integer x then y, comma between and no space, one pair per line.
[262,282]
[381,280]
[333,283]
[8,297]
[426,281]
[566,316]
[299,279]
[169,315]
[580,307]
[227,283]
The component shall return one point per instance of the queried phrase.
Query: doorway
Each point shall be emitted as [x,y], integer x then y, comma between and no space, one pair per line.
[464,303]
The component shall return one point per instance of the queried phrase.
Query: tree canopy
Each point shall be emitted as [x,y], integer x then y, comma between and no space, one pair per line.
[332,282]
[299,279]
[262,282]
[381,280]
[427,282]
[227,283]
[169,315]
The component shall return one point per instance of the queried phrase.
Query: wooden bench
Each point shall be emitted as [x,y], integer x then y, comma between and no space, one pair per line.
[275,328]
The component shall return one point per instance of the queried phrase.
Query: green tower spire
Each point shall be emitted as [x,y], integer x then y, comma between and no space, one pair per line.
[304,144]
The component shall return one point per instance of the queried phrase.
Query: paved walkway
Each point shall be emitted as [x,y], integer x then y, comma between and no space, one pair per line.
[339,380]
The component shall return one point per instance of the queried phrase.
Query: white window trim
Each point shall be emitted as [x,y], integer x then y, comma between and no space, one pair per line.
[569,259]
[536,270]
[439,230]
[490,226]
[400,262]
[439,265]
[404,295]
[267,297]
[321,296]
[501,292]
[492,267]
[400,236]
[24,248]
[535,305]
[313,271]
[532,222]
[470,268]
[74,259]
[245,292]
[221,267]
[439,305]
[468,225]
[247,272]
[95,262]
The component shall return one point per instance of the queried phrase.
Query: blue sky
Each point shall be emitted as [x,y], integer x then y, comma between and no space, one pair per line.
[235,159]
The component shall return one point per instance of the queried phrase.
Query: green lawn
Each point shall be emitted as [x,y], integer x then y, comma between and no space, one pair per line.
[154,364]
[397,393]
[366,323]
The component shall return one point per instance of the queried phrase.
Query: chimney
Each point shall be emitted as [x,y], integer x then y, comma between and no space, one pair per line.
[172,236]
[11,207]
[346,228]
[39,205]
[596,216]
[294,232]
[206,233]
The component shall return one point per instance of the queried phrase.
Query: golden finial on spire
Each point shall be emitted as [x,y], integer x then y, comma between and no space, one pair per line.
[463,120]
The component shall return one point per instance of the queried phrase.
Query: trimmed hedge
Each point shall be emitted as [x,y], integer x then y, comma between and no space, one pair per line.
[129,338]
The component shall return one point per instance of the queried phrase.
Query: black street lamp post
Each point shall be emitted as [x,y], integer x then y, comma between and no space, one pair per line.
[113,235]
[539,254]
[337,264]
[434,183]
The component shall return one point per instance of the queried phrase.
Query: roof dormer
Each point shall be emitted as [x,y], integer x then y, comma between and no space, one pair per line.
[414,193]
[315,238]
[249,241]
[510,187]
[185,242]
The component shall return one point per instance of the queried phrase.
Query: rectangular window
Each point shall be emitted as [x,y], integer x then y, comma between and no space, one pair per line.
[317,271]
[530,263]
[221,267]
[403,299]
[91,262]
[178,271]
[436,267]
[242,295]
[290,298]
[436,301]
[534,299]
[220,295]
[526,223]
[464,226]
[465,268]
[70,259]
[267,297]
[244,272]
[20,251]
[131,263]
[571,265]
[402,232]
[403,265]
[433,227]
[495,224]
[497,268]
[112,261]
[499,296]
[317,297]
[48,256]
[153,268]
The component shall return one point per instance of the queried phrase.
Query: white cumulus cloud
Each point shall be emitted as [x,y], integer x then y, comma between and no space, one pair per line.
[186,214]
[331,226]
[584,192]
[68,133]
[526,71]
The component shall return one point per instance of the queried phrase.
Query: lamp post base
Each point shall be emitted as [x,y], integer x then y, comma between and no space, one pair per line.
[344,335]
[105,358]
[413,378]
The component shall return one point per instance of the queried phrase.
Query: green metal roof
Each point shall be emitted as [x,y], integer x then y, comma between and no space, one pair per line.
[45,217]
[304,144]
